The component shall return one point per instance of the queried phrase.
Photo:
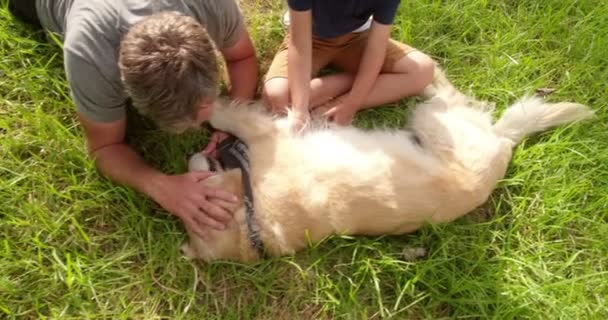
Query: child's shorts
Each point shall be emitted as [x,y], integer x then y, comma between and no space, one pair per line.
[343,52]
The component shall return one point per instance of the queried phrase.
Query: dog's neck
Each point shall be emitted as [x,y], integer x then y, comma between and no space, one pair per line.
[232,154]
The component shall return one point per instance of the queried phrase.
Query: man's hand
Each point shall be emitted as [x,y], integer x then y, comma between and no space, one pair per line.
[183,196]
[211,148]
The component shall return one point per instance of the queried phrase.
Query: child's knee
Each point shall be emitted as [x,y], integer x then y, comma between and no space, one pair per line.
[424,67]
[415,63]
[276,94]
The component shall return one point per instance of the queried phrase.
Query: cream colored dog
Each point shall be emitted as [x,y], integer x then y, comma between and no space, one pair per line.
[343,180]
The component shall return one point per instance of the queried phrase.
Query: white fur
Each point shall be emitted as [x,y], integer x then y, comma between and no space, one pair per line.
[328,180]
[198,162]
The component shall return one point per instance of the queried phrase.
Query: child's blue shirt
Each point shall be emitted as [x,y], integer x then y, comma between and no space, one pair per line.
[333,18]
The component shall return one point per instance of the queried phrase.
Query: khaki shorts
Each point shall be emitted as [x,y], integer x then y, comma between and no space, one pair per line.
[343,52]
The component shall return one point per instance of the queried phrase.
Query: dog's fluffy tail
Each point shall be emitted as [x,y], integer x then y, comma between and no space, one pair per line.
[533,114]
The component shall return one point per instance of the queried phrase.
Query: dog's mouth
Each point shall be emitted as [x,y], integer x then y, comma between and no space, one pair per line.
[215,165]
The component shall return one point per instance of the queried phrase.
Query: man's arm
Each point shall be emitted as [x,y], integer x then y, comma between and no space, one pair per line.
[181,195]
[114,158]
[242,67]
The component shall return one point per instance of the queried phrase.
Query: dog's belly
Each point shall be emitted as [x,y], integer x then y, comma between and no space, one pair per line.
[385,200]
[361,183]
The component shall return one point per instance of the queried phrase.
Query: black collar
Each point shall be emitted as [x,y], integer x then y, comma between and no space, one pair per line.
[232,153]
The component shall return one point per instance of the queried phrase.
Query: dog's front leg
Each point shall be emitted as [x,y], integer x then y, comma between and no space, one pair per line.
[244,121]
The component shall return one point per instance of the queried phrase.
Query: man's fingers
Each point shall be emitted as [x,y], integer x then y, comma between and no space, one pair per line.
[213,216]
[196,228]
[200,175]
[217,218]
[220,194]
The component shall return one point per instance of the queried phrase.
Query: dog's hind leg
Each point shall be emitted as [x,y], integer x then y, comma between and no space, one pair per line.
[442,88]
[247,122]
[439,84]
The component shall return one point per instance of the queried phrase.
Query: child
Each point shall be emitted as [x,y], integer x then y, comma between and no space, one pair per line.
[374,68]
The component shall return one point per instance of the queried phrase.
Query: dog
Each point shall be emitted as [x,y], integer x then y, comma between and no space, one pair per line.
[297,188]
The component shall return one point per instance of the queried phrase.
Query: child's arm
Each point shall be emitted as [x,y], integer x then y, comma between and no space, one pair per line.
[299,60]
[371,63]
[369,67]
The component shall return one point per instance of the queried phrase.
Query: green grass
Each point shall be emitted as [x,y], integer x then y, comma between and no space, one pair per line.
[74,245]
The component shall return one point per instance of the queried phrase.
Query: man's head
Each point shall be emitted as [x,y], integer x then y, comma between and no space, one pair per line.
[169,68]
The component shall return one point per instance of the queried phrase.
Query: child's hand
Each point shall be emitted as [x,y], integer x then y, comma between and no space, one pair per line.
[342,114]
[299,119]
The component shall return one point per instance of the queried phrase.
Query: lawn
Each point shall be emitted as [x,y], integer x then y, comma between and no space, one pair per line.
[74,245]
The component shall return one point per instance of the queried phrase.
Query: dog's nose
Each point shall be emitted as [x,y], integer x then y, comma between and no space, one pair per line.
[198,162]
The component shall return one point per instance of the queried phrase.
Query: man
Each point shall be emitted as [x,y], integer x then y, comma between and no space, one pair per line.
[161,55]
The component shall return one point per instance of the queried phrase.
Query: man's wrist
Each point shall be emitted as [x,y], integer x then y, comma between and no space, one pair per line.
[152,184]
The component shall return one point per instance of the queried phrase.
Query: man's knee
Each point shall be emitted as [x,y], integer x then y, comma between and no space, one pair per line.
[276,94]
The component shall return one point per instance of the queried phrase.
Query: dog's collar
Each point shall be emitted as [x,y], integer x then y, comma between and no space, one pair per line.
[232,153]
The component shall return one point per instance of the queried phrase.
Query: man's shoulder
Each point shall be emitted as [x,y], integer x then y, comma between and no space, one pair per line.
[221,18]
[92,26]
[91,44]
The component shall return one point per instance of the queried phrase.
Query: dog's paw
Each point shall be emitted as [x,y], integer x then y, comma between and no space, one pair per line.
[198,162]
[413,254]
[187,251]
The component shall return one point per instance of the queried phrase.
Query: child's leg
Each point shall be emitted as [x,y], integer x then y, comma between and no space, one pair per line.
[276,89]
[276,86]
[406,72]
[322,89]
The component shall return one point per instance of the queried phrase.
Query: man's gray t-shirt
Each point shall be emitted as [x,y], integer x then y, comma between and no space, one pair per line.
[92,29]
